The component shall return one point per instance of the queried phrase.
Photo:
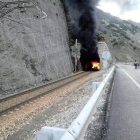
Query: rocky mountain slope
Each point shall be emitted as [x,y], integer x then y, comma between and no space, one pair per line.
[33,43]
[123,37]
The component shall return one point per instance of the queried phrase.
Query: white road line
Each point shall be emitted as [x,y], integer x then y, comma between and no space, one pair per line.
[130,77]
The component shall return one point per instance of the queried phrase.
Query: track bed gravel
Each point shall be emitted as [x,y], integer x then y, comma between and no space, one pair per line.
[24,97]
[66,102]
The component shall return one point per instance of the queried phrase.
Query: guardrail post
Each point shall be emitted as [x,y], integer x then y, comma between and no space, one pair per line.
[95,85]
[50,133]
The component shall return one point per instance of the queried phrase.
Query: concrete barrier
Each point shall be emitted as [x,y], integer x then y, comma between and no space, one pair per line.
[50,133]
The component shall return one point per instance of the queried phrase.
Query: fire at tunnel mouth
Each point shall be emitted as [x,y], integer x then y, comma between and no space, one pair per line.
[92,66]
[90,62]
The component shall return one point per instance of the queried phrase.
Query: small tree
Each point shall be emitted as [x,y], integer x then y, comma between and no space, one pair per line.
[101,36]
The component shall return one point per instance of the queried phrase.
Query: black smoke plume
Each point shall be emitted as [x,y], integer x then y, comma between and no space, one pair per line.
[82,21]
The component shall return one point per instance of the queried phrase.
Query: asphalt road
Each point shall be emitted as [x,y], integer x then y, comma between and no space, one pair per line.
[124,122]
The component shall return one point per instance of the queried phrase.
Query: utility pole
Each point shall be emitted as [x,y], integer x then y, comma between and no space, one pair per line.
[139,63]
[75,54]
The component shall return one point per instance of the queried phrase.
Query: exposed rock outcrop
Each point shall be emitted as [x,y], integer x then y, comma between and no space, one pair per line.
[33,45]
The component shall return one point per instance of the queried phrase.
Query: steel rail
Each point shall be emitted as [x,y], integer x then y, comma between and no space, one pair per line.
[44,93]
[35,88]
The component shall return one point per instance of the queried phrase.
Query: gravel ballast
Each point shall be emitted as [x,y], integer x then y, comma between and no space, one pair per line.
[16,120]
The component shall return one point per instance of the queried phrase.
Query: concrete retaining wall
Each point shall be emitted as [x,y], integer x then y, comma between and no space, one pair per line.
[102,46]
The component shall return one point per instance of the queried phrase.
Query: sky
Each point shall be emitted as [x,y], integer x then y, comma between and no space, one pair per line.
[124,9]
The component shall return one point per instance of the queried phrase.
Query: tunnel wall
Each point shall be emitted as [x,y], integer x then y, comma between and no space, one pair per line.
[33,49]
[102,46]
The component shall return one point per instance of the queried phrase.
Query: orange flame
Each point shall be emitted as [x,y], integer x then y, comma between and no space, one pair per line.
[95,65]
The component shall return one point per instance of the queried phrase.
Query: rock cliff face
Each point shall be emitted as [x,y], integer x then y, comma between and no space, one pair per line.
[33,44]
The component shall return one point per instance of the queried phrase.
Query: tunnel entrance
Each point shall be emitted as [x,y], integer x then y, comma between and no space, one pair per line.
[90,62]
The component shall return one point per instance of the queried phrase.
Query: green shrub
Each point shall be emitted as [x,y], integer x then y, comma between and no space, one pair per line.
[101,36]
[132,41]
[114,40]
[115,43]
[134,48]
[119,43]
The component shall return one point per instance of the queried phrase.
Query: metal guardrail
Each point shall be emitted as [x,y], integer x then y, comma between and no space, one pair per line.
[78,128]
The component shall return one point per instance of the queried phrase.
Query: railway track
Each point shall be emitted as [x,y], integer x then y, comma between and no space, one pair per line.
[16,100]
